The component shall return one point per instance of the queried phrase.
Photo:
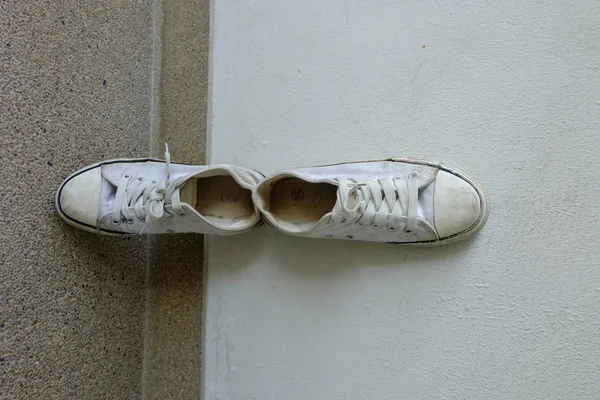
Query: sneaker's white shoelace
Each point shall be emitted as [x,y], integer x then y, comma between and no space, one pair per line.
[378,202]
[147,197]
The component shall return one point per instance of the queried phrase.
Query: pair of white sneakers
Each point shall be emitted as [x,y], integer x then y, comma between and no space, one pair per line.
[395,200]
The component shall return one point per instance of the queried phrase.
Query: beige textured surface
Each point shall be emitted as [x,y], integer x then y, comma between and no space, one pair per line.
[74,88]
[175,279]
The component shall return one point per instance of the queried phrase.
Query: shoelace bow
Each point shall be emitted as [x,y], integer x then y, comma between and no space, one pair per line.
[378,202]
[147,197]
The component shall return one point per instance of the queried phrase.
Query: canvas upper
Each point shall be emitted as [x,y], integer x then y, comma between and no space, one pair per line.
[133,196]
[397,200]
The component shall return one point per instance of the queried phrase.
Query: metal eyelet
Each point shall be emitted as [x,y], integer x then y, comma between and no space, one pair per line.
[130,221]
[349,237]
[407,231]
[112,221]
[391,229]
[140,179]
[127,176]
[374,226]
[328,236]
[343,221]
[413,175]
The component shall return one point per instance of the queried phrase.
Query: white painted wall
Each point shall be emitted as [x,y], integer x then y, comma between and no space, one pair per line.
[508,91]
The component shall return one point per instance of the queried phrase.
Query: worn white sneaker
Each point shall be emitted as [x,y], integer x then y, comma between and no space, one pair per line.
[135,196]
[396,201]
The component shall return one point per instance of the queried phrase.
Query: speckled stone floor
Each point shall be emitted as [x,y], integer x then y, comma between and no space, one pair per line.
[84,316]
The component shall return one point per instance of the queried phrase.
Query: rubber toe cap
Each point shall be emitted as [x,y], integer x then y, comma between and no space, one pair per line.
[79,197]
[457,205]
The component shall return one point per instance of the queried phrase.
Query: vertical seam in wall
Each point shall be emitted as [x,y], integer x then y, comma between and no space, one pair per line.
[146,326]
[202,385]
[209,102]
[155,74]
[203,336]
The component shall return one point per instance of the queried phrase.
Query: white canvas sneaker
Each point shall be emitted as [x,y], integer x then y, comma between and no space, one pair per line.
[395,201]
[135,196]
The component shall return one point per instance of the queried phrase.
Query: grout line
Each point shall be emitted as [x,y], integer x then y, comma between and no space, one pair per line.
[146,344]
[155,73]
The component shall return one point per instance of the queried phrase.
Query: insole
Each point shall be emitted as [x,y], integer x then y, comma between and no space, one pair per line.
[223,197]
[302,203]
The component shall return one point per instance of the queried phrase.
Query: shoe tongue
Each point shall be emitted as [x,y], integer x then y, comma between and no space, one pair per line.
[188,192]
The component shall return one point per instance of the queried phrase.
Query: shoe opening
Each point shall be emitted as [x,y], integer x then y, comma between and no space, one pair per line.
[297,205]
[223,202]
